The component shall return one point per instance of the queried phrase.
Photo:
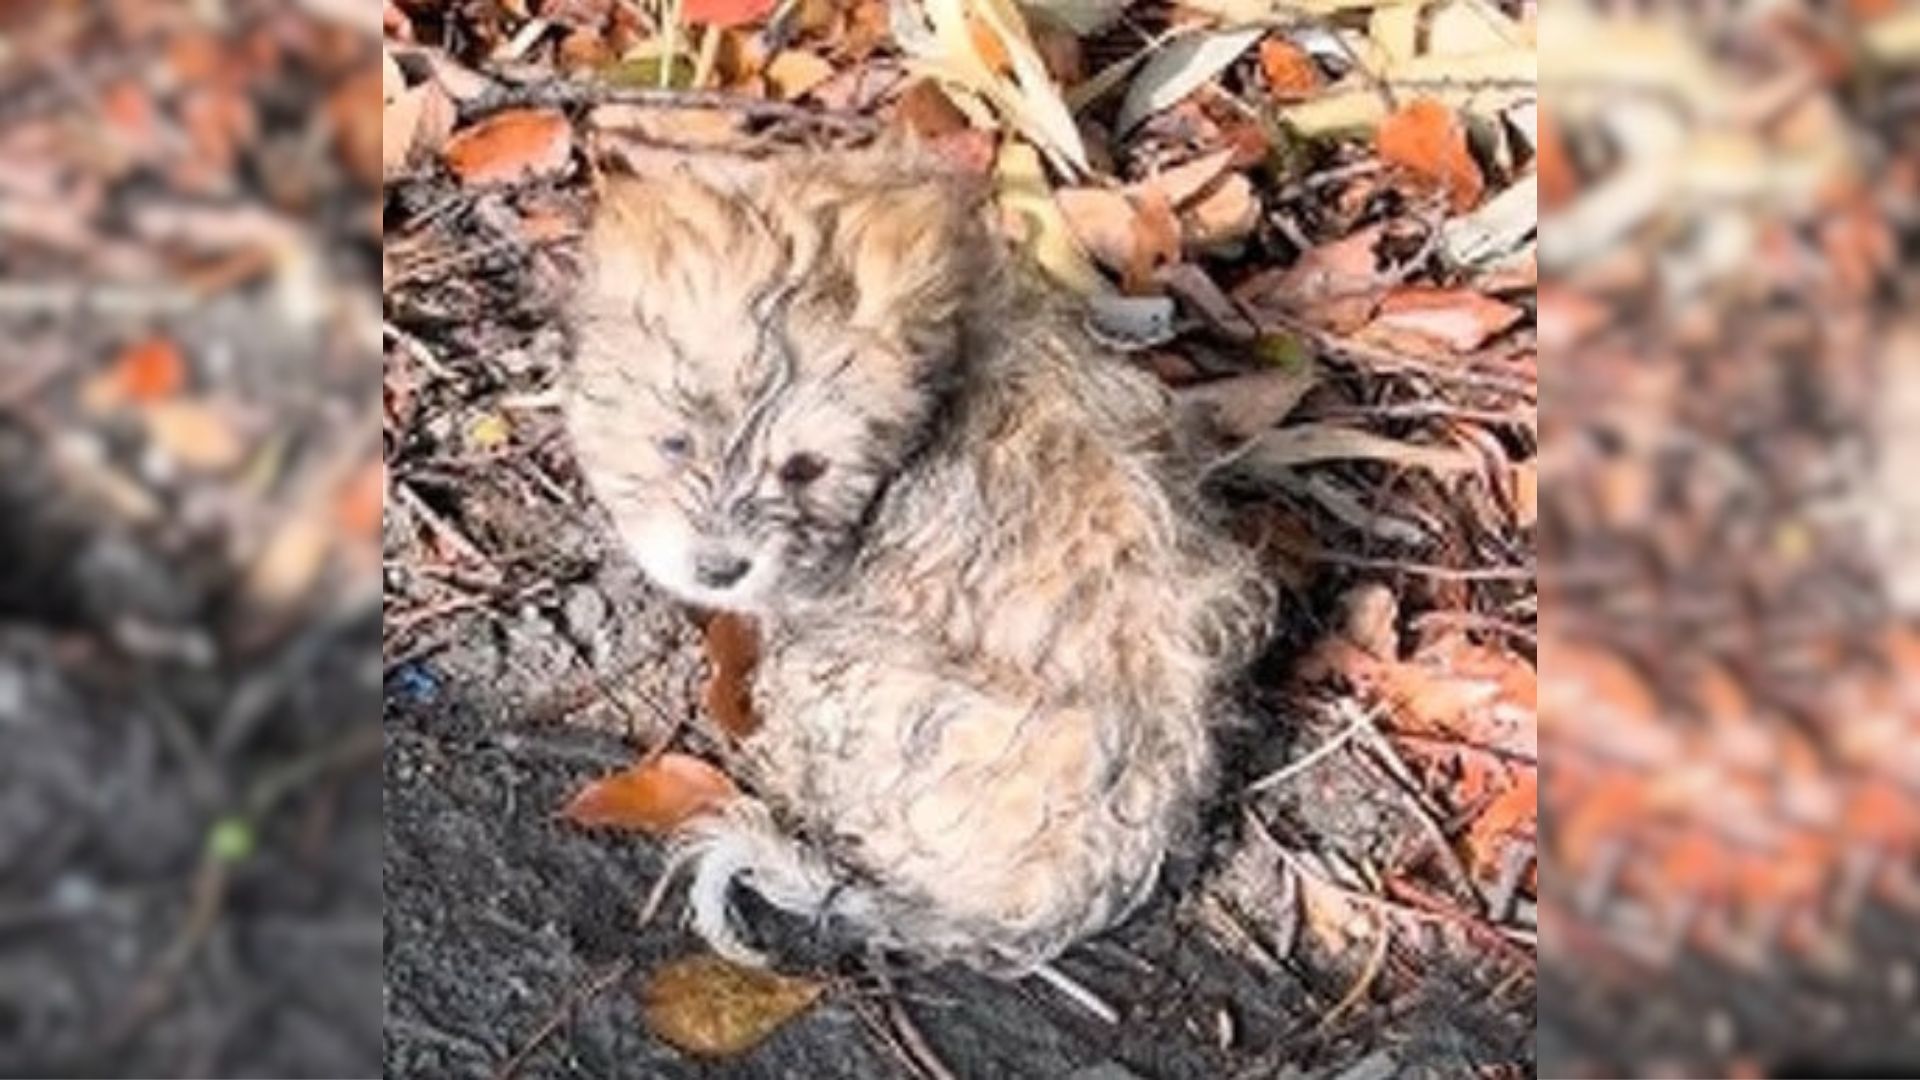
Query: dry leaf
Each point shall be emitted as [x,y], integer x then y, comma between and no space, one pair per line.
[726,13]
[1426,138]
[1183,66]
[656,796]
[144,372]
[1290,70]
[1335,285]
[733,648]
[360,501]
[794,72]
[1035,220]
[286,568]
[1246,405]
[1526,494]
[924,109]
[1183,182]
[195,434]
[1224,217]
[1460,319]
[1306,444]
[511,146]
[710,1007]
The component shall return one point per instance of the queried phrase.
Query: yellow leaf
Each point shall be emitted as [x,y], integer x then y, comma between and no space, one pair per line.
[709,1007]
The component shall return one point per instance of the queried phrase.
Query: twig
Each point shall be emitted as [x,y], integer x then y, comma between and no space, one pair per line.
[1355,725]
[563,94]
[1079,994]
[918,1051]
[575,998]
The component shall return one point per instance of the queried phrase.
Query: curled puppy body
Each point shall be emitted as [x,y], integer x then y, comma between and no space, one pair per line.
[998,623]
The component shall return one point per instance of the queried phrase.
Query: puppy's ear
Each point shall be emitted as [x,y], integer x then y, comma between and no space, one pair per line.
[916,255]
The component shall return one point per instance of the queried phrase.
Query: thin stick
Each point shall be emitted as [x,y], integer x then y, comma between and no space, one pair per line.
[1354,726]
[1077,993]
[579,996]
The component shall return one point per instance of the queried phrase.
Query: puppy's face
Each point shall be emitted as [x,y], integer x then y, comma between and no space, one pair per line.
[759,354]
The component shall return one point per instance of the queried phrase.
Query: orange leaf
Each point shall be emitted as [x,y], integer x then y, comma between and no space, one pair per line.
[1426,138]
[726,13]
[1460,319]
[656,796]
[145,371]
[511,146]
[1558,184]
[1290,70]
[733,648]
[359,501]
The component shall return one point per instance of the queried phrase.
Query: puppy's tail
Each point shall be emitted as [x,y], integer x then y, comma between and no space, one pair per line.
[742,844]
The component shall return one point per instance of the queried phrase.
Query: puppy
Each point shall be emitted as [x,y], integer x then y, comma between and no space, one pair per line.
[997,621]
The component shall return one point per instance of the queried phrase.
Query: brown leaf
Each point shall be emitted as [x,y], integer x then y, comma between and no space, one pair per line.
[292,559]
[726,13]
[655,796]
[1243,406]
[358,130]
[709,1007]
[1460,319]
[1526,494]
[924,109]
[360,500]
[1558,183]
[1223,217]
[794,72]
[1060,51]
[1426,138]
[1125,234]
[195,434]
[511,146]
[733,648]
[1334,285]
[1290,70]
[1185,181]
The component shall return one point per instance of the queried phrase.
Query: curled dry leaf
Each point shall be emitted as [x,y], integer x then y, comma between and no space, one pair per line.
[1290,70]
[710,1007]
[510,146]
[1426,138]
[1460,319]
[656,796]
[733,648]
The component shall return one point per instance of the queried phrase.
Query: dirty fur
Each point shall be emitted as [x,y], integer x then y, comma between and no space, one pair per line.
[999,624]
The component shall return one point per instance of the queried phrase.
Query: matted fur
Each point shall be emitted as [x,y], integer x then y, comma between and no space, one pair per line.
[999,623]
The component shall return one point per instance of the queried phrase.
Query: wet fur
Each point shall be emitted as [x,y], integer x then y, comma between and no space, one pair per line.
[999,625]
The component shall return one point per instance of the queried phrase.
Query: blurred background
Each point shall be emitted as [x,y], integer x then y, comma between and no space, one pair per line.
[190,492]
[1731,524]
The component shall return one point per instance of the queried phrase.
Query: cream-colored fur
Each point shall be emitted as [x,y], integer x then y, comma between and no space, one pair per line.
[999,622]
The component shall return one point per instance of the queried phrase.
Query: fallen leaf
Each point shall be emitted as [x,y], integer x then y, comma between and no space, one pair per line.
[144,372]
[1223,217]
[1290,70]
[733,648]
[656,796]
[360,501]
[511,146]
[1083,17]
[358,129]
[1184,182]
[1129,234]
[794,72]
[1557,181]
[1183,66]
[1335,285]
[711,1007]
[1243,406]
[1460,319]
[1307,444]
[1426,138]
[1060,51]
[924,109]
[196,434]
[726,13]
[285,569]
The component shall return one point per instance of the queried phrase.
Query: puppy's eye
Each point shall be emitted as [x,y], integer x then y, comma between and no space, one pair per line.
[675,447]
[802,468]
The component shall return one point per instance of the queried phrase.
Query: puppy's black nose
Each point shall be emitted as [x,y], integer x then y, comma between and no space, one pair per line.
[719,571]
